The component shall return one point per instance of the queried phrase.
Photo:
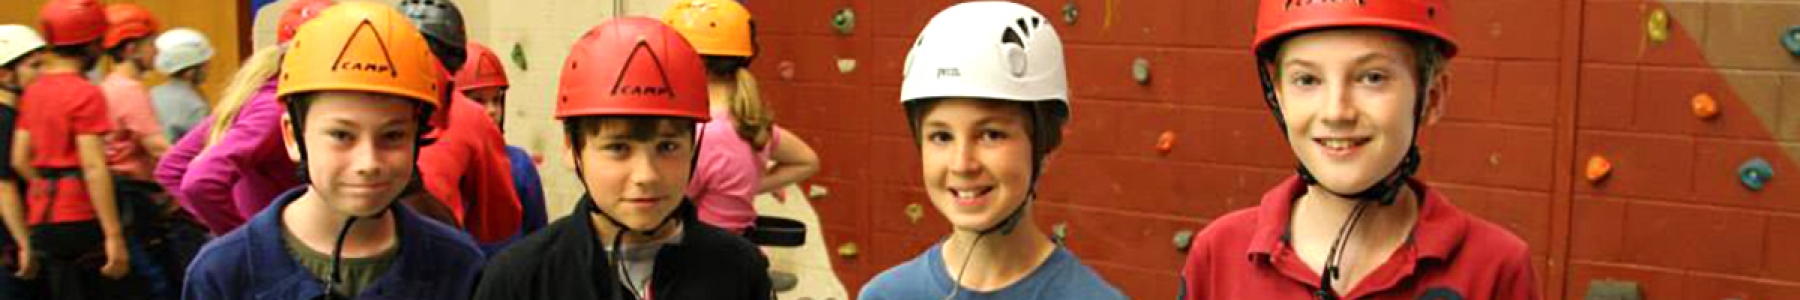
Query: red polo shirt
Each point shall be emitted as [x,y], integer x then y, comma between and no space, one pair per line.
[1451,255]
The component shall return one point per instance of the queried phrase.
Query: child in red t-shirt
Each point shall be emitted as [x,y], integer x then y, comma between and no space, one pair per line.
[75,221]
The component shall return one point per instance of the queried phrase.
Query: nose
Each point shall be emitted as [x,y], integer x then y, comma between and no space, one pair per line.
[364,159]
[1339,105]
[644,172]
[962,158]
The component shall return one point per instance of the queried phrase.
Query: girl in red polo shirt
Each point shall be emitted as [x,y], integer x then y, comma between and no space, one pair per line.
[1350,83]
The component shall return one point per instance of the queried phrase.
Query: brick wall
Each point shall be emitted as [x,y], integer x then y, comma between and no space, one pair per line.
[1540,87]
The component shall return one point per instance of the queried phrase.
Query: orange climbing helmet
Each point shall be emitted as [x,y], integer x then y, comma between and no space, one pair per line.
[298,13]
[1278,19]
[715,27]
[127,21]
[633,67]
[361,46]
[72,22]
[483,71]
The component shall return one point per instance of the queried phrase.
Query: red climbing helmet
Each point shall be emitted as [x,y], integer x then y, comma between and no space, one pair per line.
[482,71]
[298,13]
[126,21]
[72,22]
[633,67]
[1277,19]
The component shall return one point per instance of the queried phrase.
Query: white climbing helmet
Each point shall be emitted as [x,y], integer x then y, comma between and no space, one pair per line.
[181,48]
[987,50]
[16,41]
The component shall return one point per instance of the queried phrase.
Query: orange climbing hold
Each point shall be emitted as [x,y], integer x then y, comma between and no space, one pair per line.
[1705,107]
[1166,142]
[1598,168]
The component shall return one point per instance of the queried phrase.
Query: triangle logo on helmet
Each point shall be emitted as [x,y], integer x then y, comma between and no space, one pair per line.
[641,84]
[365,62]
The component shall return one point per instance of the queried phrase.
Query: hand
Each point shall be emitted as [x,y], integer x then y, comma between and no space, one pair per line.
[118,261]
[27,267]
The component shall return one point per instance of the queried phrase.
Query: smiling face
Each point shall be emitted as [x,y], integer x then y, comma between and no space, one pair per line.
[636,169]
[1348,97]
[359,149]
[977,160]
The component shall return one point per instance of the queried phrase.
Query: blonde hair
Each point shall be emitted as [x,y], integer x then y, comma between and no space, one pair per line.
[250,78]
[755,121]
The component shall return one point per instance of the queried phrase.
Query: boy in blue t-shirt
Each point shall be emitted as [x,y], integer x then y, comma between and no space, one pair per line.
[986,94]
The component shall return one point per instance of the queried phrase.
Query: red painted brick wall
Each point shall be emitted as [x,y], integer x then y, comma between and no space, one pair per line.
[1541,86]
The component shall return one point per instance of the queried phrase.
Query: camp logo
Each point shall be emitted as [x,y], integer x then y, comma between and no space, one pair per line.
[642,86]
[1291,4]
[362,61]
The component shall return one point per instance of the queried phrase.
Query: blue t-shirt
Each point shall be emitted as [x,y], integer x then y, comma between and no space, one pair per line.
[1062,276]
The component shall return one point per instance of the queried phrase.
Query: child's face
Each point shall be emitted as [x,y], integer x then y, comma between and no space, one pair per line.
[23,71]
[1348,97]
[977,160]
[359,149]
[492,99]
[637,177]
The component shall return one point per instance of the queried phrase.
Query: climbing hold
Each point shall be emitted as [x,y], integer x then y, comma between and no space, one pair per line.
[1060,231]
[1140,70]
[817,191]
[786,68]
[914,212]
[1705,107]
[1166,142]
[1183,239]
[1791,40]
[848,250]
[846,65]
[844,21]
[518,57]
[1656,25]
[1756,173]
[1613,290]
[1070,13]
[1598,168]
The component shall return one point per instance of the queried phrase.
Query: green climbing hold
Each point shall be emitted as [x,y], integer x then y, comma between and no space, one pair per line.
[518,57]
[1656,25]
[1070,13]
[844,21]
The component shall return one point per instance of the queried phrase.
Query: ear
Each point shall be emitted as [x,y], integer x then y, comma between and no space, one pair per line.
[287,138]
[1435,97]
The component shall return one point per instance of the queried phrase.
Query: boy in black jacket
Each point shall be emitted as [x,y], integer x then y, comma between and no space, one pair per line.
[633,93]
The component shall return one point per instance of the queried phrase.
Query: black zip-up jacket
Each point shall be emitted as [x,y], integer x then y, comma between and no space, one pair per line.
[566,261]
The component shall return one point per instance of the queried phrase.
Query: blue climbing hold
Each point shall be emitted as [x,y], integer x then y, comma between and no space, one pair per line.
[1756,173]
[1791,40]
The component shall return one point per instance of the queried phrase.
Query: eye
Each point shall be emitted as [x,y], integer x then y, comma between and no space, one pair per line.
[1373,78]
[668,147]
[339,135]
[994,135]
[939,137]
[1304,80]
[394,136]
[617,149]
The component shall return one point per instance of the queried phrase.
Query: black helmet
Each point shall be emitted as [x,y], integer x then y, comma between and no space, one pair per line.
[442,24]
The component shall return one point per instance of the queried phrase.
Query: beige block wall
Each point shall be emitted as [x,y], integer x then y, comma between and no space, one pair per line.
[545,30]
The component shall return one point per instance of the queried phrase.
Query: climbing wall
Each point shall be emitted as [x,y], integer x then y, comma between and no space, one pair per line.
[1571,123]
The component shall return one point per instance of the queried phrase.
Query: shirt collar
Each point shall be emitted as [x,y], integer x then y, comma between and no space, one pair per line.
[271,262]
[1438,233]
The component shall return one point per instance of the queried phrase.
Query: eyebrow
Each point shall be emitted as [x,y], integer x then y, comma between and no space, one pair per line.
[351,122]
